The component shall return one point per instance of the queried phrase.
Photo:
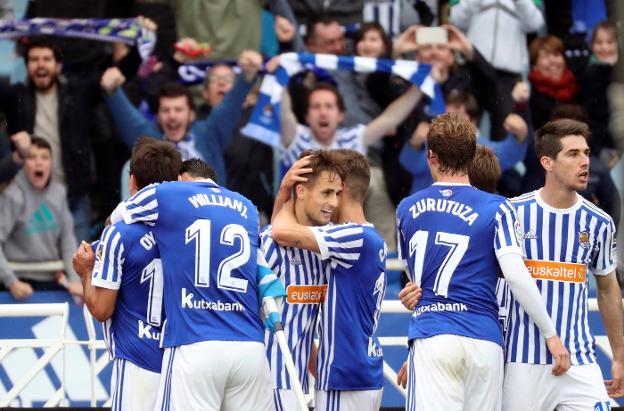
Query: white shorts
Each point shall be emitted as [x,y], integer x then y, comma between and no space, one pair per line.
[451,372]
[285,400]
[533,387]
[132,387]
[367,400]
[216,376]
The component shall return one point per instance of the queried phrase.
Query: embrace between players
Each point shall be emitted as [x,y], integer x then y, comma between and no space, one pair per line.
[454,239]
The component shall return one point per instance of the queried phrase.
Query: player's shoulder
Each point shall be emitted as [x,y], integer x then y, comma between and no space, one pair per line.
[524,199]
[412,199]
[597,213]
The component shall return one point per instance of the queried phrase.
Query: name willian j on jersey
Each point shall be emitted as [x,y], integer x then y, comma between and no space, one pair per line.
[202,200]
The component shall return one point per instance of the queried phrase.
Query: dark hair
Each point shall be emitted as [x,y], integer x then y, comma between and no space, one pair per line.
[453,140]
[607,26]
[548,138]
[550,43]
[373,25]
[154,161]
[316,20]
[462,98]
[320,161]
[357,172]
[331,89]
[41,42]
[484,170]
[198,169]
[40,142]
[571,111]
[173,90]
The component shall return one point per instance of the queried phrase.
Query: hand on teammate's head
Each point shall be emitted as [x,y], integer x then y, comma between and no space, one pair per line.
[296,173]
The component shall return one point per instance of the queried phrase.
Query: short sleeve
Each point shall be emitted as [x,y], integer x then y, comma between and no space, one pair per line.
[604,255]
[142,207]
[342,244]
[109,259]
[271,250]
[508,231]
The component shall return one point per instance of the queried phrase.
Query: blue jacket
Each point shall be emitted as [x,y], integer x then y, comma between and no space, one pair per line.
[209,137]
[414,160]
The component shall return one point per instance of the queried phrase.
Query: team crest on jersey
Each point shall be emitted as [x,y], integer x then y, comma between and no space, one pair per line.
[447,192]
[583,237]
[215,189]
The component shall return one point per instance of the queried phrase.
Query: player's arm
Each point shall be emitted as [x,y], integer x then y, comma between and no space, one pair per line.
[288,121]
[100,301]
[287,232]
[509,255]
[392,116]
[141,207]
[609,298]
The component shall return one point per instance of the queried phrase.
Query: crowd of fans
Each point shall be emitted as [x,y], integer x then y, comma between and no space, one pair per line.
[86,103]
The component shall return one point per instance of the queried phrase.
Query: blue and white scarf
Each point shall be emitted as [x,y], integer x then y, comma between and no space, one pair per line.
[127,31]
[264,123]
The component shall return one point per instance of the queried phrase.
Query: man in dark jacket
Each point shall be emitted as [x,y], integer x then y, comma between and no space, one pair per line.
[59,112]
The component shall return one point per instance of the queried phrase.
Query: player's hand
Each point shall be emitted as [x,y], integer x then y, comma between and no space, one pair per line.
[410,295]
[21,141]
[250,63]
[560,355]
[83,260]
[111,80]
[284,29]
[296,173]
[20,290]
[615,386]
[520,92]
[516,125]
[402,375]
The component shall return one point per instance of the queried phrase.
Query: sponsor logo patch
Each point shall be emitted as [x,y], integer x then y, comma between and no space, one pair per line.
[556,271]
[306,294]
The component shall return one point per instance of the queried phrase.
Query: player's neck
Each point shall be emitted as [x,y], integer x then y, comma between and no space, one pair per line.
[352,212]
[452,178]
[558,196]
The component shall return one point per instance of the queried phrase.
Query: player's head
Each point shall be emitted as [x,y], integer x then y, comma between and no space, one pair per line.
[357,174]
[153,161]
[562,150]
[484,171]
[325,112]
[452,142]
[318,197]
[217,83]
[195,169]
[175,111]
[38,165]
[43,64]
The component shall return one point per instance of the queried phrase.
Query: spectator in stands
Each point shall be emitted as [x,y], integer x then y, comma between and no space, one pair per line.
[218,82]
[13,162]
[345,12]
[206,139]
[325,35]
[499,28]
[36,225]
[508,152]
[552,82]
[594,85]
[60,112]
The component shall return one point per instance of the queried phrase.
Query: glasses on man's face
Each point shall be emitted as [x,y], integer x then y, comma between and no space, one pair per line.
[221,77]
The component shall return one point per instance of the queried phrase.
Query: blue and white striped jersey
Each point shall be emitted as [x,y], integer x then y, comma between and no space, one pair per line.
[208,241]
[303,274]
[349,354]
[450,238]
[348,138]
[560,246]
[127,260]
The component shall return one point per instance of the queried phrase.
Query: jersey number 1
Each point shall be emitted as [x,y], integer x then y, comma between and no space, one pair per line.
[199,232]
[458,245]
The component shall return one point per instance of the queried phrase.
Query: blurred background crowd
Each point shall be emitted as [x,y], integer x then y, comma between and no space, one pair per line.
[72,108]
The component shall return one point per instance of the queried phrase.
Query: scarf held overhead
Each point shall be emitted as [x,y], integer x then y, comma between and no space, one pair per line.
[127,31]
[264,123]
